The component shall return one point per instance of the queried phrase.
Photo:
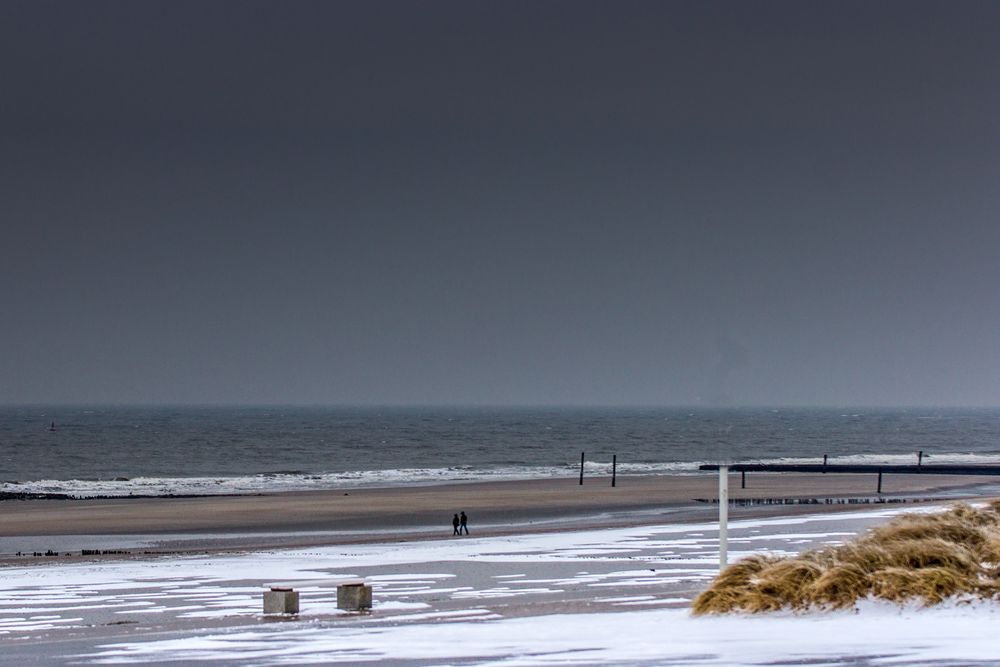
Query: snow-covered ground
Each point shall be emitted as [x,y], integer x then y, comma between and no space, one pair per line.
[876,635]
[582,597]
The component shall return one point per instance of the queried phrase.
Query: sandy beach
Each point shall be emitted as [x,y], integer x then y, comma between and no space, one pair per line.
[379,514]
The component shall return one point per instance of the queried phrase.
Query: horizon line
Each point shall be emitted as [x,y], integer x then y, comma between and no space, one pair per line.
[502,406]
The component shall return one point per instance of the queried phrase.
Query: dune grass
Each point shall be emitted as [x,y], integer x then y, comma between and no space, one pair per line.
[914,557]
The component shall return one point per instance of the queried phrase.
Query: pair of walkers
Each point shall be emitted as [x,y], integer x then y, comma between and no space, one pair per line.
[458,524]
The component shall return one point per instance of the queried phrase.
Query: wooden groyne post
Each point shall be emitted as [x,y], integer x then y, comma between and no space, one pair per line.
[614,468]
[581,468]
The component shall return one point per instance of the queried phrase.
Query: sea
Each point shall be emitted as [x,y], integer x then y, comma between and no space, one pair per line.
[159,451]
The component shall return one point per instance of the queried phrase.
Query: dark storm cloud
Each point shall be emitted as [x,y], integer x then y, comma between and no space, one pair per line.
[499,202]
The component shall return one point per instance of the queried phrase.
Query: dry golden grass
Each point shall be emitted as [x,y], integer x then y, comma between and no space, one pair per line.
[838,586]
[923,557]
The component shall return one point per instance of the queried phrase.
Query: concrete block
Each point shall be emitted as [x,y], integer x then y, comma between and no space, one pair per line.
[354,597]
[281,602]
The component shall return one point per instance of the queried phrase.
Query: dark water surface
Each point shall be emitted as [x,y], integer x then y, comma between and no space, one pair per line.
[237,449]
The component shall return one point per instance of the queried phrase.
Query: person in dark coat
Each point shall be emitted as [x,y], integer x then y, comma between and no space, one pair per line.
[462,522]
[454,526]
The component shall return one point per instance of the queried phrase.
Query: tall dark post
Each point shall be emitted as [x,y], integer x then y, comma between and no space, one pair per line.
[879,480]
[614,468]
[824,464]
[581,468]
[743,479]
[920,457]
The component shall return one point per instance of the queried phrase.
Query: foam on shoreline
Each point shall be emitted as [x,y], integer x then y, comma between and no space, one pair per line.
[291,480]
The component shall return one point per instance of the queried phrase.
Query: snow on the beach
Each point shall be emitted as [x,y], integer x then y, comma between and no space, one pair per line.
[506,597]
[876,635]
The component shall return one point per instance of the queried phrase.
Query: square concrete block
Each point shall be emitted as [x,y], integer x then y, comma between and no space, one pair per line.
[354,597]
[281,602]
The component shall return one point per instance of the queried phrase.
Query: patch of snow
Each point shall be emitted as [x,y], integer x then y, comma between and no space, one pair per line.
[949,634]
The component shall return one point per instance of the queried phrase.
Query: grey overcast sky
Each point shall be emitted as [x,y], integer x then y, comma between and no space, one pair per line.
[372,202]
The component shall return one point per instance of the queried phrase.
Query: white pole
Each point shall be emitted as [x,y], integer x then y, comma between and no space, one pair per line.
[723,516]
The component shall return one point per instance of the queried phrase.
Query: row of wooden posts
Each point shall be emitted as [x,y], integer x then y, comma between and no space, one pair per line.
[743,473]
[614,468]
[920,461]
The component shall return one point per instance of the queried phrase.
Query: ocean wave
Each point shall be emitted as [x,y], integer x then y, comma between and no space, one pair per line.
[286,481]
[277,481]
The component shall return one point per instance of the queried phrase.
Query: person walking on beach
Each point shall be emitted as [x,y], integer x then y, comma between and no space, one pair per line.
[462,522]
[454,526]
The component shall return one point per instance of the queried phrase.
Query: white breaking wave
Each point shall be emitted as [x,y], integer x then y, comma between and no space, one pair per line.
[218,485]
[276,482]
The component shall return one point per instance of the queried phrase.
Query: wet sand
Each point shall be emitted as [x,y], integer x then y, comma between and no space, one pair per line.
[379,514]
